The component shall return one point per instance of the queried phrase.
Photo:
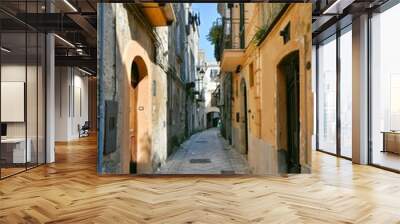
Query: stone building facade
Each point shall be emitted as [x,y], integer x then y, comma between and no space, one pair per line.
[176,80]
[192,23]
[147,59]
[207,85]
[132,85]
[267,54]
[183,43]
[210,85]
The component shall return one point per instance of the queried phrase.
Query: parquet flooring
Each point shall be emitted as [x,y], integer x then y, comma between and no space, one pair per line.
[70,191]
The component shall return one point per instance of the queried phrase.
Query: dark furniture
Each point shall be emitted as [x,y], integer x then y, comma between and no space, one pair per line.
[84,129]
[391,141]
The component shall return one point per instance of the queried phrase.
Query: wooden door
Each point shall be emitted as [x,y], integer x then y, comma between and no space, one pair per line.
[140,119]
[143,120]
[293,123]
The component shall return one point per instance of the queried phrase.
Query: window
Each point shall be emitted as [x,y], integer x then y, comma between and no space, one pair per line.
[22,65]
[237,88]
[213,73]
[346,93]
[314,89]
[251,75]
[385,89]
[327,95]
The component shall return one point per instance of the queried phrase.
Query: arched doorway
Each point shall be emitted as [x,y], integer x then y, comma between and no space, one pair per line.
[213,118]
[288,111]
[244,141]
[139,117]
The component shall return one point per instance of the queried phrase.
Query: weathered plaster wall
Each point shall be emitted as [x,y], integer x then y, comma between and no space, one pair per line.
[114,162]
[159,112]
[159,106]
[127,38]
[272,51]
[263,106]
[176,120]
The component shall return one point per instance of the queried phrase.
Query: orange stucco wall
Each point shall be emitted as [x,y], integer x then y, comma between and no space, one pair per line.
[272,51]
[262,96]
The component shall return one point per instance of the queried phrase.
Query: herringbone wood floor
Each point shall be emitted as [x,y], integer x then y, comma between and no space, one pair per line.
[70,191]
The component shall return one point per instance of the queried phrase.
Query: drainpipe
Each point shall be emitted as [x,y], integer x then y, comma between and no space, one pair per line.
[100,93]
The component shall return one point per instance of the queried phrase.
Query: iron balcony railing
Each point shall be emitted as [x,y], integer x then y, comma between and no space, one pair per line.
[226,38]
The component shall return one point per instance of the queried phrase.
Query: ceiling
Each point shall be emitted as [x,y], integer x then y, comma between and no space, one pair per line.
[331,15]
[73,21]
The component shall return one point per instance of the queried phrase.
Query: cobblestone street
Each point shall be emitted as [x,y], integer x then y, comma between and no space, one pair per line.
[205,153]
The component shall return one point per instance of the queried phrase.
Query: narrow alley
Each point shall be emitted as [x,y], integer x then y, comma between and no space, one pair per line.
[200,92]
[205,152]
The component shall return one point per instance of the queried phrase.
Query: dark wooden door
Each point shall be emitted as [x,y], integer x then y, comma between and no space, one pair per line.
[293,123]
[244,125]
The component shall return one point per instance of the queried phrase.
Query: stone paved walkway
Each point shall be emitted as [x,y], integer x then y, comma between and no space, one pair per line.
[203,146]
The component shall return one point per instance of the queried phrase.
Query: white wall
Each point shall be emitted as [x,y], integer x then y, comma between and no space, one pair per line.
[209,85]
[16,73]
[12,73]
[71,102]
[33,126]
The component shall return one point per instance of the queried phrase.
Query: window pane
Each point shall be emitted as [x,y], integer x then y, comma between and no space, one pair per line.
[14,153]
[31,97]
[327,96]
[346,94]
[314,86]
[385,92]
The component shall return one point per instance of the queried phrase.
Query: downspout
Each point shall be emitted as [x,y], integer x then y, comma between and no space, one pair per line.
[100,93]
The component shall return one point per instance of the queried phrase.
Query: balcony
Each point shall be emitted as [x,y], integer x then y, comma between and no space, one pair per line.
[231,49]
[231,59]
[158,14]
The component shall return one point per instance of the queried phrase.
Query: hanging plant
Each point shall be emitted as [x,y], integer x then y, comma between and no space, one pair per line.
[214,36]
[260,35]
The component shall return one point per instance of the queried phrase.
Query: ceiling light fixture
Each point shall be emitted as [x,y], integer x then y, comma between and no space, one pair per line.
[65,41]
[84,71]
[5,50]
[337,7]
[70,5]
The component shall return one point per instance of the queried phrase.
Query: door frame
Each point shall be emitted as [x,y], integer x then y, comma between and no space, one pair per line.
[243,93]
[334,37]
[292,155]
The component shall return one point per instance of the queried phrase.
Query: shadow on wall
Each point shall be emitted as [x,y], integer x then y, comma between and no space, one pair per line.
[140,116]
[127,56]
[144,159]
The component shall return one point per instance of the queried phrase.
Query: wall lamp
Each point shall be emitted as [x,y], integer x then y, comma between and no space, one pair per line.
[84,71]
